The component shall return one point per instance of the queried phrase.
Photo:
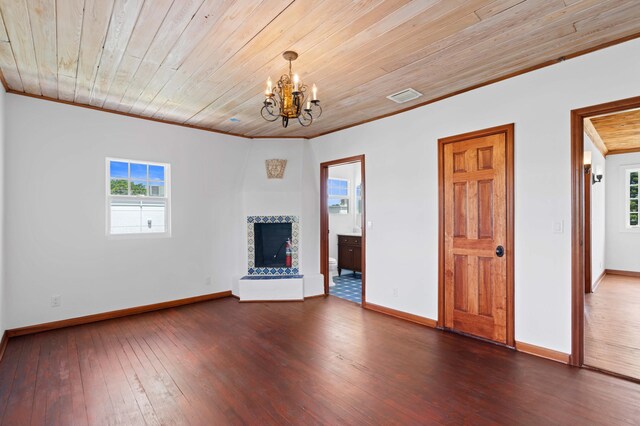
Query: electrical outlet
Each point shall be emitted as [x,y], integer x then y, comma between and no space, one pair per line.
[56,301]
[395,292]
[207,281]
[558,227]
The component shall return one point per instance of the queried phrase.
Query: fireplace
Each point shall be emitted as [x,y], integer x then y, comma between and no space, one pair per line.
[266,238]
[270,244]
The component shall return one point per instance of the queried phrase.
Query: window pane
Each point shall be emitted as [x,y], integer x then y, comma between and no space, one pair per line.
[338,205]
[125,217]
[633,192]
[119,187]
[156,172]
[633,219]
[153,217]
[119,169]
[134,217]
[139,187]
[633,178]
[336,201]
[633,206]
[338,187]
[156,189]
[138,171]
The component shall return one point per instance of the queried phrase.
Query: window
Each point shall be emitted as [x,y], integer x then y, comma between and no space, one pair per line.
[631,188]
[338,193]
[359,199]
[137,197]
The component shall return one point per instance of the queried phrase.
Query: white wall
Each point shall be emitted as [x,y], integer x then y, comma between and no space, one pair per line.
[344,223]
[55,212]
[598,212]
[263,196]
[3,303]
[270,197]
[310,217]
[623,244]
[402,176]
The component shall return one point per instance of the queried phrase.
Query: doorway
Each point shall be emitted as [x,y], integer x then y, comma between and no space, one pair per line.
[605,237]
[476,234]
[342,228]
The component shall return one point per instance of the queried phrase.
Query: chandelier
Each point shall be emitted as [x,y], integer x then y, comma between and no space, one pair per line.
[287,98]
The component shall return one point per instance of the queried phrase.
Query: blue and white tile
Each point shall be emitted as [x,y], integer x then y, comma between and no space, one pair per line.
[347,287]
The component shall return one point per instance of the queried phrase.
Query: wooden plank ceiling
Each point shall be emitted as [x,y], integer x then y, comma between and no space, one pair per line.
[618,133]
[202,62]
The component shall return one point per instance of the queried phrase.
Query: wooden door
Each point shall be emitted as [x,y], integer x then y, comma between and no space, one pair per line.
[476,247]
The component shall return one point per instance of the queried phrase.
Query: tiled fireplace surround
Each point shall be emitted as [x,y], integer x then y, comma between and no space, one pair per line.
[267,273]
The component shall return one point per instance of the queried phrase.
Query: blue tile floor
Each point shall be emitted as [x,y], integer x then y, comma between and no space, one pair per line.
[347,286]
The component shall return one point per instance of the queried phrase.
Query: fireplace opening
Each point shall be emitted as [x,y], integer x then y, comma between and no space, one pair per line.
[270,244]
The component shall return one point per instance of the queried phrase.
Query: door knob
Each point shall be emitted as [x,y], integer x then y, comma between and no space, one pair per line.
[499,251]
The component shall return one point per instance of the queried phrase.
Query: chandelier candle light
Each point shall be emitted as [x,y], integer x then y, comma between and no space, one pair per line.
[288,97]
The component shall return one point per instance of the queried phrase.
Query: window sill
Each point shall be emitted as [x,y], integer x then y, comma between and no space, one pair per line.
[139,236]
[630,230]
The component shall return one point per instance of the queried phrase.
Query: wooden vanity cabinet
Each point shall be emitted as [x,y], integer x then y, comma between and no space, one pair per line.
[349,253]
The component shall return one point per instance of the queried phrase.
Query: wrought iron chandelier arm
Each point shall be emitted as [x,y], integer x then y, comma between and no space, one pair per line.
[268,111]
[316,105]
[305,119]
[268,115]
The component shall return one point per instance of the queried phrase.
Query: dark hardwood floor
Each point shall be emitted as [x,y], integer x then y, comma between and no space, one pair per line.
[324,361]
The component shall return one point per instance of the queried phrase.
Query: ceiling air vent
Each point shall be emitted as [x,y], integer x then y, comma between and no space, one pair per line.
[405,95]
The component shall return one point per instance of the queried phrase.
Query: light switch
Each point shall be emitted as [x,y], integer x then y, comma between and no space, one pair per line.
[369,224]
[558,227]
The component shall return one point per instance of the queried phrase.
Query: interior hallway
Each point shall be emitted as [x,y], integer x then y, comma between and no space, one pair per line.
[612,326]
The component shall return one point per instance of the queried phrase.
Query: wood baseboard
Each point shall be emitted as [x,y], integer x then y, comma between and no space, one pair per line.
[612,373]
[266,301]
[3,344]
[402,315]
[542,352]
[595,285]
[315,297]
[38,328]
[624,273]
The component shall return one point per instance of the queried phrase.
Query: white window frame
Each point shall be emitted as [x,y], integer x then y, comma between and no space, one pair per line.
[110,198]
[341,197]
[627,198]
